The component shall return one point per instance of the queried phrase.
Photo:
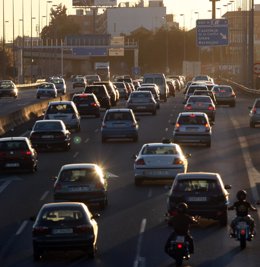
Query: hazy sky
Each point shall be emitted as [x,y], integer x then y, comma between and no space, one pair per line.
[176,7]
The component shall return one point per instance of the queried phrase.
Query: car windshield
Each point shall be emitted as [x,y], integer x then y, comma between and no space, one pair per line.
[114,116]
[78,176]
[13,145]
[62,215]
[48,125]
[199,99]
[60,108]
[185,120]
[46,86]
[159,150]
[202,185]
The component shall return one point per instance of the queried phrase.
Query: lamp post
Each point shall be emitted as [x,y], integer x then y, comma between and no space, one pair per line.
[4,65]
[13,41]
[184,37]
[31,63]
[198,14]
[167,69]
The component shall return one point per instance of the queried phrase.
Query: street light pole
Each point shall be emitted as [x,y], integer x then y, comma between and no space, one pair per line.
[4,65]
[13,42]
[47,16]
[184,37]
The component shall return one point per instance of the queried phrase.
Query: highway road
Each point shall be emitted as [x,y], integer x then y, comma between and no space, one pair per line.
[132,229]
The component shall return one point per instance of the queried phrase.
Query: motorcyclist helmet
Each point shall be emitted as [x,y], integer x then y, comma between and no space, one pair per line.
[182,207]
[241,195]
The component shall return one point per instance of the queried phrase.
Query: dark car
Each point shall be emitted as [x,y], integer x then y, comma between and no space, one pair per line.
[87,104]
[225,95]
[204,193]
[122,88]
[204,92]
[79,82]
[83,182]
[64,226]
[47,134]
[101,93]
[8,88]
[254,113]
[154,90]
[114,96]
[119,123]
[17,153]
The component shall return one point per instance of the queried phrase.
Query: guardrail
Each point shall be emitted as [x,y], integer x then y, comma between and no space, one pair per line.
[30,85]
[244,88]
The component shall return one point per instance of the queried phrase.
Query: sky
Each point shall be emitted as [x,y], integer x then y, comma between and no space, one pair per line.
[192,10]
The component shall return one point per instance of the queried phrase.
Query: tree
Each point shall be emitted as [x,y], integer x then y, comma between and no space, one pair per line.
[60,26]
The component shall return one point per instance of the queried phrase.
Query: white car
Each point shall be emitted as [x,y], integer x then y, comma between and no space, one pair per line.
[159,161]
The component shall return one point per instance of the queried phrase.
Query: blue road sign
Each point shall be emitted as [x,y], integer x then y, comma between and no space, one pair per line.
[136,70]
[212,32]
[89,51]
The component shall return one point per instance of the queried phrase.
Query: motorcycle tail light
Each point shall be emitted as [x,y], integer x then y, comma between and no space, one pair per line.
[242,231]
[179,246]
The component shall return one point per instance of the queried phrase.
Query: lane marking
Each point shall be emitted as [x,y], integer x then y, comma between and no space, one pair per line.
[76,154]
[23,225]
[139,259]
[44,195]
[4,185]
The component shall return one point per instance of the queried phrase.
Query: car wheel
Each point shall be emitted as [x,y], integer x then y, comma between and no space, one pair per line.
[252,125]
[208,144]
[223,220]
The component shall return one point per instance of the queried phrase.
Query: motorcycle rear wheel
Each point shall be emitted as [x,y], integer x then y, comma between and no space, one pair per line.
[242,242]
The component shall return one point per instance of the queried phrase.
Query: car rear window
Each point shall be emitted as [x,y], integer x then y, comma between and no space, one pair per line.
[191,119]
[113,116]
[201,185]
[78,176]
[199,99]
[60,108]
[159,150]
[85,99]
[13,145]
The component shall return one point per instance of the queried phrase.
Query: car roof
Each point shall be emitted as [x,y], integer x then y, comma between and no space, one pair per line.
[118,110]
[15,138]
[79,166]
[48,121]
[194,175]
[188,113]
[61,102]
[161,144]
[63,204]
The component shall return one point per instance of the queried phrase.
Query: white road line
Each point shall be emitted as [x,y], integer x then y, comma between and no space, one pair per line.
[19,231]
[44,195]
[253,174]
[76,154]
[86,140]
[4,185]
[139,259]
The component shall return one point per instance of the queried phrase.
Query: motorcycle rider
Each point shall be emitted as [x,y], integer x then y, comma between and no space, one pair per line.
[242,207]
[181,225]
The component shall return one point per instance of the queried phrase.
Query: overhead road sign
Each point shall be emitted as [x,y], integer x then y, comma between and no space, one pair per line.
[84,3]
[116,51]
[89,51]
[212,32]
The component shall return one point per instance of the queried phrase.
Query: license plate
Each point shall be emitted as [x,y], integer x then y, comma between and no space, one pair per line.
[180,238]
[141,107]
[199,199]
[118,125]
[12,165]
[192,129]
[83,105]
[158,172]
[79,189]
[242,225]
[62,231]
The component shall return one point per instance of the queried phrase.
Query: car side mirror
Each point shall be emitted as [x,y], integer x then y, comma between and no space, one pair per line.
[188,155]
[54,178]
[227,186]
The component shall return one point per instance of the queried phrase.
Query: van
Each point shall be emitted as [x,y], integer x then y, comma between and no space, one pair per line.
[160,80]
[65,111]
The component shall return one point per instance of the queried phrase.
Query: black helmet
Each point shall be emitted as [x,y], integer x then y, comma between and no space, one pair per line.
[241,194]
[182,207]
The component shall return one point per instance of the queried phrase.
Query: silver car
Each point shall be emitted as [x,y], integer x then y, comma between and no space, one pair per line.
[159,161]
[142,101]
[193,128]
[254,113]
[192,89]
[46,89]
[225,95]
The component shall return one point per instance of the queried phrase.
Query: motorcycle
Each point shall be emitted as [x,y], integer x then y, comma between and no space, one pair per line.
[178,249]
[242,233]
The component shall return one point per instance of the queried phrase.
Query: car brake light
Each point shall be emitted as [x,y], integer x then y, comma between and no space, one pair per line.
[177,126]
[40,230]
[179,246]
[211,107]
[26,153]
[177,161]
[242,231]
[188,107]
[93,104]
[140,162]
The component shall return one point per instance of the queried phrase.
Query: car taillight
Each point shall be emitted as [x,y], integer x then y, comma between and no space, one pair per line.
[177,126]
[99,186]
[179,245]
[177,161]
[207,127]
[26,153]
[140,162]
[211,107]
[188,107]
[254,110]
[2,154]
[242,231]
[40,230]
[93,104]
[173,213]
[84,228]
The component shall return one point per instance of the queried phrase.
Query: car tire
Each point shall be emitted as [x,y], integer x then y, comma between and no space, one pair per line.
[252,125]
[208,144]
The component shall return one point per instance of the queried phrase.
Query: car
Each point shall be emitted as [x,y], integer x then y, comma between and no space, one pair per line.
[60,85]
[64,110]
[191,89]
[225,95]
[192,128]
[172,86]
[119,123]
[203,192]
[201,103]
[64,226]
[87,104]
[142,101]
[92,78]
[101,93]
[121,87]
[204,92]
[46,89]
[114,94]
[81,182]
[154,90]
[159,161]
[202,78]
[48,134]
[79,82]
[17,153]
[8,89]
[254,113]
